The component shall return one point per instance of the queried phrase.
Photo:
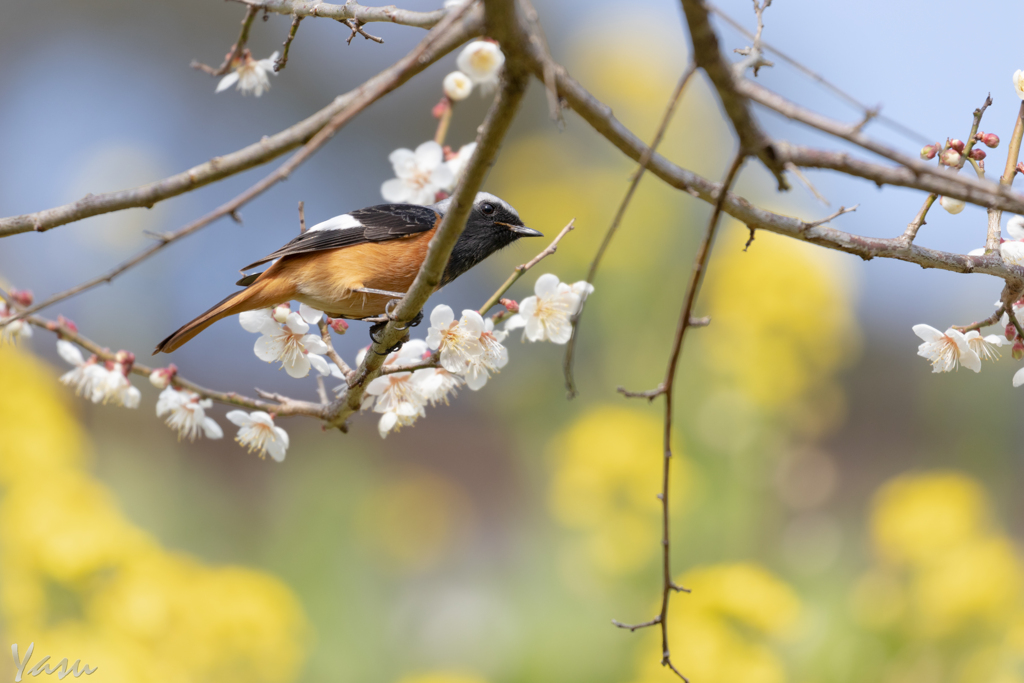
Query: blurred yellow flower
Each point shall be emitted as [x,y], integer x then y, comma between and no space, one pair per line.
[607,474]
[79,580]
[783,321]
[722,631]
[916,519]
[443,677]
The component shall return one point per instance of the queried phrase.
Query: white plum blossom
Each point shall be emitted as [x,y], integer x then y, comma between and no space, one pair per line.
[946,350]
[310,314]
[1012,252]
[986,347]
[1018,85]
[114,387]
[15,331]
[436,384]
[399,398]
[951,205]
[85,376]
[457,86]
[257,432]
[250,75]
[420,175]
[186,414]
[493,359]
[547,315]
[255,321]
[290,344]
[457,342]
[482,60]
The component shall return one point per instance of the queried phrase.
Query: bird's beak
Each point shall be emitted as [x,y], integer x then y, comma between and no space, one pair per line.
[524,231]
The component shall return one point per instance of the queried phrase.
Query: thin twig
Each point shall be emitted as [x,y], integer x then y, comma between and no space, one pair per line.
[357,28]
[995,217]
[325,335]
[349,10]
[673,103]
[869,112]
[911,232]
[414,62]
[236,50]
[519,270]
[283,59]
[666,389]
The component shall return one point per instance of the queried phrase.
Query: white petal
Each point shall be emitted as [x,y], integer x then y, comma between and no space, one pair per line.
[314,344]
[429,155]
[268,349]
[261,417]
[299,366]
[254,321]
[386,424]
[227,82]
[310,314]
[69,352]
[559,330]
[970,359]
[977,252]
[396,190]
[296,324]
[472,322]
[442,316]
[1015,227]
[211,428]
[1018,377]
[1012,252]
[404,162]
[443,177]
[278,446]
[239,417]
[319,364]
[928,333]
[547,284]
[476,377]
[515,322]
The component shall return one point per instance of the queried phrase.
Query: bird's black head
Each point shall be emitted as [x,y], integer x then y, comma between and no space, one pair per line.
[492,225]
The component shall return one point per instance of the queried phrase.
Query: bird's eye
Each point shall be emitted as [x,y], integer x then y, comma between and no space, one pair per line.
[488,209]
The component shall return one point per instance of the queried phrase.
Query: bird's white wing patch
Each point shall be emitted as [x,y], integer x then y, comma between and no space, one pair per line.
[342,222]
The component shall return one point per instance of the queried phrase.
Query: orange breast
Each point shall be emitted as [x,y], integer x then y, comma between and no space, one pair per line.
[325,279]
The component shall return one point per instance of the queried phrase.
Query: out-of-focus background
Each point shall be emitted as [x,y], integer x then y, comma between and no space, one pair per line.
[840,513]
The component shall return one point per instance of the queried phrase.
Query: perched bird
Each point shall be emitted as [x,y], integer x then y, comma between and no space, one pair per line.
[352,265]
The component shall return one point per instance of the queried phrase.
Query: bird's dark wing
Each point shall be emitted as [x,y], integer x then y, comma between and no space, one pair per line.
[372,224]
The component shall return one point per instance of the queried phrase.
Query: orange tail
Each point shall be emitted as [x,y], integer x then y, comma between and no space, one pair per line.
[267,291]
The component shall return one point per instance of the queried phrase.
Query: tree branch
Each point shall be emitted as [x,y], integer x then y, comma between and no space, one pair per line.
[357,100]
[350,10]
[236,49]
[708,56]
[255,154]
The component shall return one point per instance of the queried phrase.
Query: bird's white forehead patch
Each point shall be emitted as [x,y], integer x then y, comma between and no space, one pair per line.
[488,197]
[342,222]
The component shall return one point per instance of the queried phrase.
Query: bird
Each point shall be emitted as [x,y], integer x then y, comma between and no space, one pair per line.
[351,266]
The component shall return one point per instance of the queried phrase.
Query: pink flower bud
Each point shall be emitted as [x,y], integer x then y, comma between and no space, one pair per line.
[281,313]
[64,322]
[510,305]
[161,377]
[22,297]
[991,140]
[126,359]
[338,325]
[1018,350]
[441,107]
[978,154]
[929,152]
[958,145]
[1010,332]
[1020,167]
[440,194]
[950,157]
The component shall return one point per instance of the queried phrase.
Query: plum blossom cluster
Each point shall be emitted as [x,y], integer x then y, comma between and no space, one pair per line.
[97,380]
[17,330]
[466,351]
[284,337]
[954,154]
[430,172]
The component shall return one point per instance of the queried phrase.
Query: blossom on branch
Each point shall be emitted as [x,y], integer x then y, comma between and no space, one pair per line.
[492,360]
[400,399]
[457,342]
[186,412]
[547,315]
[986,347]
[947,350]
[951,205]
[290,344]
[457,86]
[257,432]
[14,331]
[249,74]
[1018,83]
[1012,252]
[420,175]
[86,374]
[482,60]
